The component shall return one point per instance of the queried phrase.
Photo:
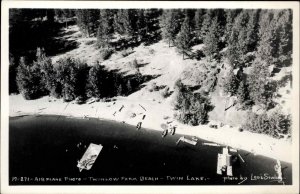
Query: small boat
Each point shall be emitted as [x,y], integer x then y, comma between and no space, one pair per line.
[164,133]
[139,125]
[183,139]
[89,157]
[224,163]
[172,132]
[211,144]
[193,142]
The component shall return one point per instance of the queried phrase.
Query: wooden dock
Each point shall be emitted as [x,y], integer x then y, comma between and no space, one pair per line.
[224,163]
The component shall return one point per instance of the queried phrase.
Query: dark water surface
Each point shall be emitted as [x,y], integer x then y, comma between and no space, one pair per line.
[38,144]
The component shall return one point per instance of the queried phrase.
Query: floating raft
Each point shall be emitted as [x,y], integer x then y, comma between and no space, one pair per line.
[183,139]
[224,162]
[89,157]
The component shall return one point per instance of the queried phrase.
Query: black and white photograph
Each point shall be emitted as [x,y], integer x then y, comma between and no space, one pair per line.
[150,94]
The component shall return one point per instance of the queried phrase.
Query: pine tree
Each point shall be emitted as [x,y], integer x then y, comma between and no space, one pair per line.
[120,90]
[105,29]
[190,14]
[199,15]
[267,44]
[243,37]
[141,24]
[93,21]
[79,76]
[129,86]
[13,88]
[232,53]
[48,78]
[125,22]
[230,17]
[170,24]
[96,81]
[117,23]
[87,20]
[221,18]
[183,39]
[242,22]
[54,86]
[129,22]
[258,82]
[212,40]
[72,75]
[64,14]
[284,37]
[82,20]
[242,92]
[230,84]
[237,46]
[252,30]
[275,32]
[63,69]
[207,21]
[151,21]
[29,80]
[192,108]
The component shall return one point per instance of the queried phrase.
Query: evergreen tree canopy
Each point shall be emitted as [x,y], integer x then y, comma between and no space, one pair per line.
[125,22]
[207,21]
[199,17]
[260,90]
[183,39]
[275,33]
[237,48]
[170,24]
[105,28]
[87,20]
[72,74]
[212,40]
[29,80]
[141,24]
[230,18]
[243,37]
[231,83]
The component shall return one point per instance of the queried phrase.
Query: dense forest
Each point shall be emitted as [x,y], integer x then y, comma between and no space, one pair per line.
[256,40]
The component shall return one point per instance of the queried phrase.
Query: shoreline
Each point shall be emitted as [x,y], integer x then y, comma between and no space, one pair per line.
[257,144]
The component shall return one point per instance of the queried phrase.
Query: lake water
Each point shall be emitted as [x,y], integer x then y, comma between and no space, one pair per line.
[43,151]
